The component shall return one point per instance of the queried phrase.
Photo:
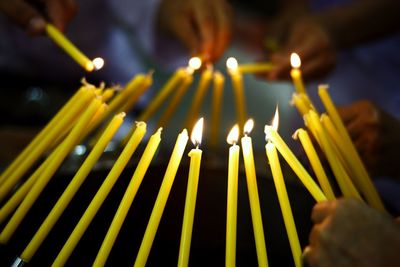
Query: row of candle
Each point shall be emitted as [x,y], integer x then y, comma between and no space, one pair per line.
[124,100]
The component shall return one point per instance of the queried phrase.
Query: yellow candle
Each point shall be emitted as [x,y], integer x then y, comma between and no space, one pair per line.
[44,142]
[68,47]
[356,164]
[218,89]
[198,97]
[238,89]
[295,73]
[161,200]
[108,94]
[44,132]
[247,149]
[191,195]
[72,188]
[120,99]
[101,195]
[176,99]
[343,179]
[231,208]
[298,102]
[127,199]
[164,92]
[136,94]
[294,163]
[47,173]
[315,162]
[258,67]
[283,198]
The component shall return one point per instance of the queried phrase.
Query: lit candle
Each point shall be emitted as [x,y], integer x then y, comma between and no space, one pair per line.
[166,90]
[316,164]
[101,195]
[238,89]
[218,88]
[342,177]
[247,149]
[283,199]
[293,162]
[365,182]
[127,199]
[191,195]
[72,188]
[43,142]
[176,99]
[295,73]
[231,208]
[258,67]
[161,200]
[69,48]
[199,95]
[41,182]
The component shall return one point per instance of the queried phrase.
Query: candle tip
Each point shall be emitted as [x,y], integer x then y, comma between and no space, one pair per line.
[295,135]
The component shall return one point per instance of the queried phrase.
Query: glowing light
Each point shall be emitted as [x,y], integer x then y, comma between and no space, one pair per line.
[195,63]
[233,135]
[98,63]
[248,126]
[232,64]
[197,132]
[295,60]
[274,124]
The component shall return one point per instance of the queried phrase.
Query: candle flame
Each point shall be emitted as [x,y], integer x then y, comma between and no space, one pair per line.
[232,64]
[195,63]
[275,121]
[233,135]
[295,60]
[248,126]
[197,132]
[274,124]
[98,63]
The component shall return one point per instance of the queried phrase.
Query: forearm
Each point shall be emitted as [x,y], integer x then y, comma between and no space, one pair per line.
[360,21]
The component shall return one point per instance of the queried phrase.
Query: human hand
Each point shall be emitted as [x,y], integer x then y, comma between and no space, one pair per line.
[203,26]
[349,233]
[32,15]
[376,135]
[309,39]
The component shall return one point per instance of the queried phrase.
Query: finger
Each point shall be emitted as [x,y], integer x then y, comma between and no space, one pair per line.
[322,210]
[313,238]
[223,28]
[205,22]
[318,66]
[24,15]
[308,257]
[347,113]
[185,32]
[281,69]
[60,12]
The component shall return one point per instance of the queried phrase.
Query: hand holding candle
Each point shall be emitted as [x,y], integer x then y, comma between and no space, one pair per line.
[191,195]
